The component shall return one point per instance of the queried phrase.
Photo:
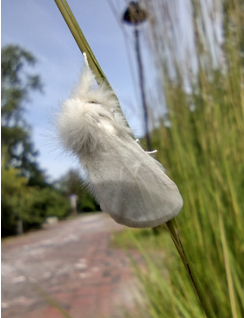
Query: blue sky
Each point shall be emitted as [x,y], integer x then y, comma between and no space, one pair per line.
[39,27]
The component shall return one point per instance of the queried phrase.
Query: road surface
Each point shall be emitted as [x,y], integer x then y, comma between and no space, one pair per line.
[72,264]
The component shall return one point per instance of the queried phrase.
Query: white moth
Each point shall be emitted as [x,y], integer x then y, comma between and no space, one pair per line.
[127,182]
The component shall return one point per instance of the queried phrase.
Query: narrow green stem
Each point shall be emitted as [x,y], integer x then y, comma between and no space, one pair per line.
[83,44]
[81,41]
[50,300]
[190,270]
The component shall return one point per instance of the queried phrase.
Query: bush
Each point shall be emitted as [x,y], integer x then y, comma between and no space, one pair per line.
[31,205]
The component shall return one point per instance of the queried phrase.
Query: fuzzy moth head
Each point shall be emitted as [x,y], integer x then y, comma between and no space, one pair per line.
[88,91]
[88,116]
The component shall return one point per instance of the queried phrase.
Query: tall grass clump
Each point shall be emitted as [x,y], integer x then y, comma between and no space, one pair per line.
[200,63]
[203,152]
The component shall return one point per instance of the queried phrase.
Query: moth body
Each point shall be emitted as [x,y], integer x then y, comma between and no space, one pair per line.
[126,181]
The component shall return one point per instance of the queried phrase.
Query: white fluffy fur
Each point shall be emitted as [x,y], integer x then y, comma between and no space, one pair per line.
[125,180]
[78,121]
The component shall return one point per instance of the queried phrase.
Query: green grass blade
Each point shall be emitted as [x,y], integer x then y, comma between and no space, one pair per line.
[81,41]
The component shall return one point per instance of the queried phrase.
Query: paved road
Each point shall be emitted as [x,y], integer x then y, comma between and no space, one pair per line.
[71,262]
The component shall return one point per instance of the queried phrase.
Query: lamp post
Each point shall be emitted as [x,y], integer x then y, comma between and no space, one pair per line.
[135,15]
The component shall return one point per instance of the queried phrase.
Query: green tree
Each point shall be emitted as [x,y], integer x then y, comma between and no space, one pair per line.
[25,207]
[17,85]
[27,199]
[42,203]
[13,192]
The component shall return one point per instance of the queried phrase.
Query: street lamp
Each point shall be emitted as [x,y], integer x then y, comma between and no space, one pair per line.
[135,15]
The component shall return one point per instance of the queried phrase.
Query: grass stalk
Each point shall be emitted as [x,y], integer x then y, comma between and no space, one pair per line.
[190,270]
[50,300]
[227,268]
[81,41]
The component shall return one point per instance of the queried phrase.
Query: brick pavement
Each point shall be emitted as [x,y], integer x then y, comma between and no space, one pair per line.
[72,263]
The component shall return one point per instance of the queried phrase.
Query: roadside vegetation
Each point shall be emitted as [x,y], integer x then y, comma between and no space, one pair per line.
[202,150]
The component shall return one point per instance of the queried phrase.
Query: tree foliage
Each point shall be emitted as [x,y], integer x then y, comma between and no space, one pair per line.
[17,85]
[31,205]
[26,195]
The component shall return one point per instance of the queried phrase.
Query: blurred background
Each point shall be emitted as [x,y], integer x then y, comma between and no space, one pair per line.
[178,70]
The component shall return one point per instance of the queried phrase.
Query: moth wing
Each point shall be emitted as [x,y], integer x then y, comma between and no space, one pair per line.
[132,188]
